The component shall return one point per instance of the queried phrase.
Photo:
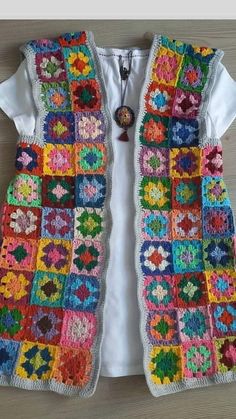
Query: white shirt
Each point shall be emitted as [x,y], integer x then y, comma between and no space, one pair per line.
[121,349]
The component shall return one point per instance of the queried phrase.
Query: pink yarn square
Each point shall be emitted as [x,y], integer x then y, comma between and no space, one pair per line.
[78,329]
[198,358]
[212,161]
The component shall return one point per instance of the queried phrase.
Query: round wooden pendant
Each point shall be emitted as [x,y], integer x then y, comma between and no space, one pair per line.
[124,117]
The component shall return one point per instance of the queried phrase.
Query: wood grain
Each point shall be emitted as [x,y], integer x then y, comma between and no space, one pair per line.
[126,397]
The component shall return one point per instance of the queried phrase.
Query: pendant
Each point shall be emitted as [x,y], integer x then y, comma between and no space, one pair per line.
[124,117]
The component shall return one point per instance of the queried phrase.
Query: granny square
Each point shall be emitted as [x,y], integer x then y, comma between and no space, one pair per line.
[25,190]
[81,293]
[156,257]
[21,221]
[218,254]
[156,225]
[224,319]
[198,359]
[221,285]
[50,66]
[159,99]
[79,329]
[90,191]
[59,128]
[165,364]
[90,158]
[191,290]
[15,286]
[187,256]
[225,351]
[162,327]
[58,191]
[89,127]
[9,351]
[18,254]
[12,321]
[212,161]
[218,222]
[29,159]
[54,256]
[193,74]
[57,223]
[43,324]
[194,323]
[48,289]
[59,160]
[186,104]
[56,96]
[87,256]
[159,292]
[166,67]
[185,162]
[214,192]
[154,161]
[154,130]
[35,361]
[85,95]
[88,223]
[186,193]
[78,61]
[155,192]
[186,224]
[183,132]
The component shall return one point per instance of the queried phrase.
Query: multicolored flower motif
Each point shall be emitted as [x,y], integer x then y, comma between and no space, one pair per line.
[81,293]
[50,66]
[154,161]
[156,257]
[186,104]
[29,159]
[21,221]
[11,322]
[194,323]
[56,96]
[199,359]
[58,160]
[155,225]
[8,355]
[18,254]
[54,256]
[193,74]
[35,361]
[224,319]
[166,67]
[25,190]
[85,95]
[218,254]
[43,324]
[212,161]
[185,162]
[191,290]
[186,224]
[78,62]
[159,99]
[71,39]
[183,132]
[58,191]
[59,128]
[86,258]
[221,285]
[155,193]
[90,158]
[186,193]
[79,329]
[48,289]
[159,292]
[57,223]
[90,190]
[218,222]
[89,127]
[214,192]
[88,223]
[226,354]
[162,327]
[14,286]
[154,130]
[165,364]
[187,256]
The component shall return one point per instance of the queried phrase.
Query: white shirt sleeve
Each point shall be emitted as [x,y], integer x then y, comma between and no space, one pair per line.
[16,100]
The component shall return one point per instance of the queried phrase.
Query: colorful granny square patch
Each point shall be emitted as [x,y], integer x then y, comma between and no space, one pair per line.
[21,221]
[154,130]
[25,190]
[59,160]
[155,193]
[89,127]
[183,132]
[218,222]
[224,319]
[8,355]
[78,330]
[12,321]
[72,366]
[185,162]
[58,191]
[159,292]
[225,351]
[187,256]
[218,254]
[186,193]
[166,67]
[193,74]
[90,190]
[48,289]
[56,96]
[87,257]
[186,104]
[165,364]
[78,62]
[198,359]
[18,254]
[156,225]
[43,324]
[15,286]
[29,159]
[72,38]
[191,289]
[57,223]
[186,224]
[221,285]
[214,192]
[194,323]
[162,328]
[85,95]
[156,257]
[35,361]
[59,128]
[159,99]
[154,161]
[212,162]
[88,223]
[50,66]
[81,293]
[54,256]
[90,158]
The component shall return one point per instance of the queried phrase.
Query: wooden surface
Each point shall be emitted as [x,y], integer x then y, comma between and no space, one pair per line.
[126,397]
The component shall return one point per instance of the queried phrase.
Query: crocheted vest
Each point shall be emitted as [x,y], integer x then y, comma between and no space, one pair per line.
[57,222]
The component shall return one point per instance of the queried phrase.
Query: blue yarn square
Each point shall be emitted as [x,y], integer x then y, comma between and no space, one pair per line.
[156,257]
[218,222]
[187,256]
[90,191]
[81,293]
[8,356]
[57,223]
[214,192]
[183,132]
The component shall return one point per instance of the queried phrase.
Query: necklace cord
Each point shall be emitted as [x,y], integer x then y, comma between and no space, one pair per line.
[124,74]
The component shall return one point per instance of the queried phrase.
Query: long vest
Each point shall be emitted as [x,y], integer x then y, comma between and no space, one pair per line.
[57,222]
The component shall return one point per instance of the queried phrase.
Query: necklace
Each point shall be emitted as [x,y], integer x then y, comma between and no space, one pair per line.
[124,115]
